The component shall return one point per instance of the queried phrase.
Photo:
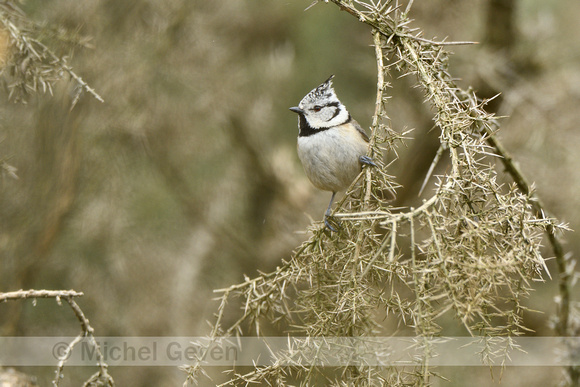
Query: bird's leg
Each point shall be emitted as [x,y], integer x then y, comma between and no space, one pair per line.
[363,160]
[366,160]
[327,214]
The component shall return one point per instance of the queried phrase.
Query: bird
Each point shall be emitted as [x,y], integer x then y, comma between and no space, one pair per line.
[332,146]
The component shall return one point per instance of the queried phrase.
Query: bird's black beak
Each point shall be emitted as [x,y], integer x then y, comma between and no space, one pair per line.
[297,110]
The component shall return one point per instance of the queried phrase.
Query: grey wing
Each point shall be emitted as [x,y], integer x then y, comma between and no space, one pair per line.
[360,130]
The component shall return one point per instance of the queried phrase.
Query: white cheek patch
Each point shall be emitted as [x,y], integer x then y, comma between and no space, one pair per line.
[328,118]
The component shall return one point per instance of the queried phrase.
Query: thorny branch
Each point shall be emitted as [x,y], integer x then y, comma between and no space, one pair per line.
[564,269]
[27,63]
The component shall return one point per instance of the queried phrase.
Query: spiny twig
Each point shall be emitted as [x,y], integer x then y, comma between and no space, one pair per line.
[33,64]
[565,274]
[388,32]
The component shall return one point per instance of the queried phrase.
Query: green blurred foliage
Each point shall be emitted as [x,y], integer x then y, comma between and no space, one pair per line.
[186,178]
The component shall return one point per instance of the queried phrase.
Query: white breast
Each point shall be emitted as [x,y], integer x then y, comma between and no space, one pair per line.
[331,157]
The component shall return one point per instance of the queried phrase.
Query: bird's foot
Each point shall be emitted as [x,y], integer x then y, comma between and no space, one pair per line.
[327,222]
[366,160]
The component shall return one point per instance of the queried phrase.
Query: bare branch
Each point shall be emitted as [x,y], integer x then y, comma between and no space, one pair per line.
[25,294]
[102,377]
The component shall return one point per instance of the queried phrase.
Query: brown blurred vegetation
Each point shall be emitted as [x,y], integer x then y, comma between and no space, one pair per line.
[186,178]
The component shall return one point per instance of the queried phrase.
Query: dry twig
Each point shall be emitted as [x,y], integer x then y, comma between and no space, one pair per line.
[100,378]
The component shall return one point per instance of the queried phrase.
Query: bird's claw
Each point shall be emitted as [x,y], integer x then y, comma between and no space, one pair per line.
[327,219]
[367,161]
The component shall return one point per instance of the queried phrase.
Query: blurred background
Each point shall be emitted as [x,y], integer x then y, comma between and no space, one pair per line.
[187,178]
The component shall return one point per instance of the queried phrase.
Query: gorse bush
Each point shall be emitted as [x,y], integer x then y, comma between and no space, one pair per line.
[470,250]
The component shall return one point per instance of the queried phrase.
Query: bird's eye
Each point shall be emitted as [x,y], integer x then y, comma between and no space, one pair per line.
[317,108]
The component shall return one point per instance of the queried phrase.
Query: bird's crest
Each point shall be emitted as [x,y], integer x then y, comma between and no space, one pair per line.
[324,92]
